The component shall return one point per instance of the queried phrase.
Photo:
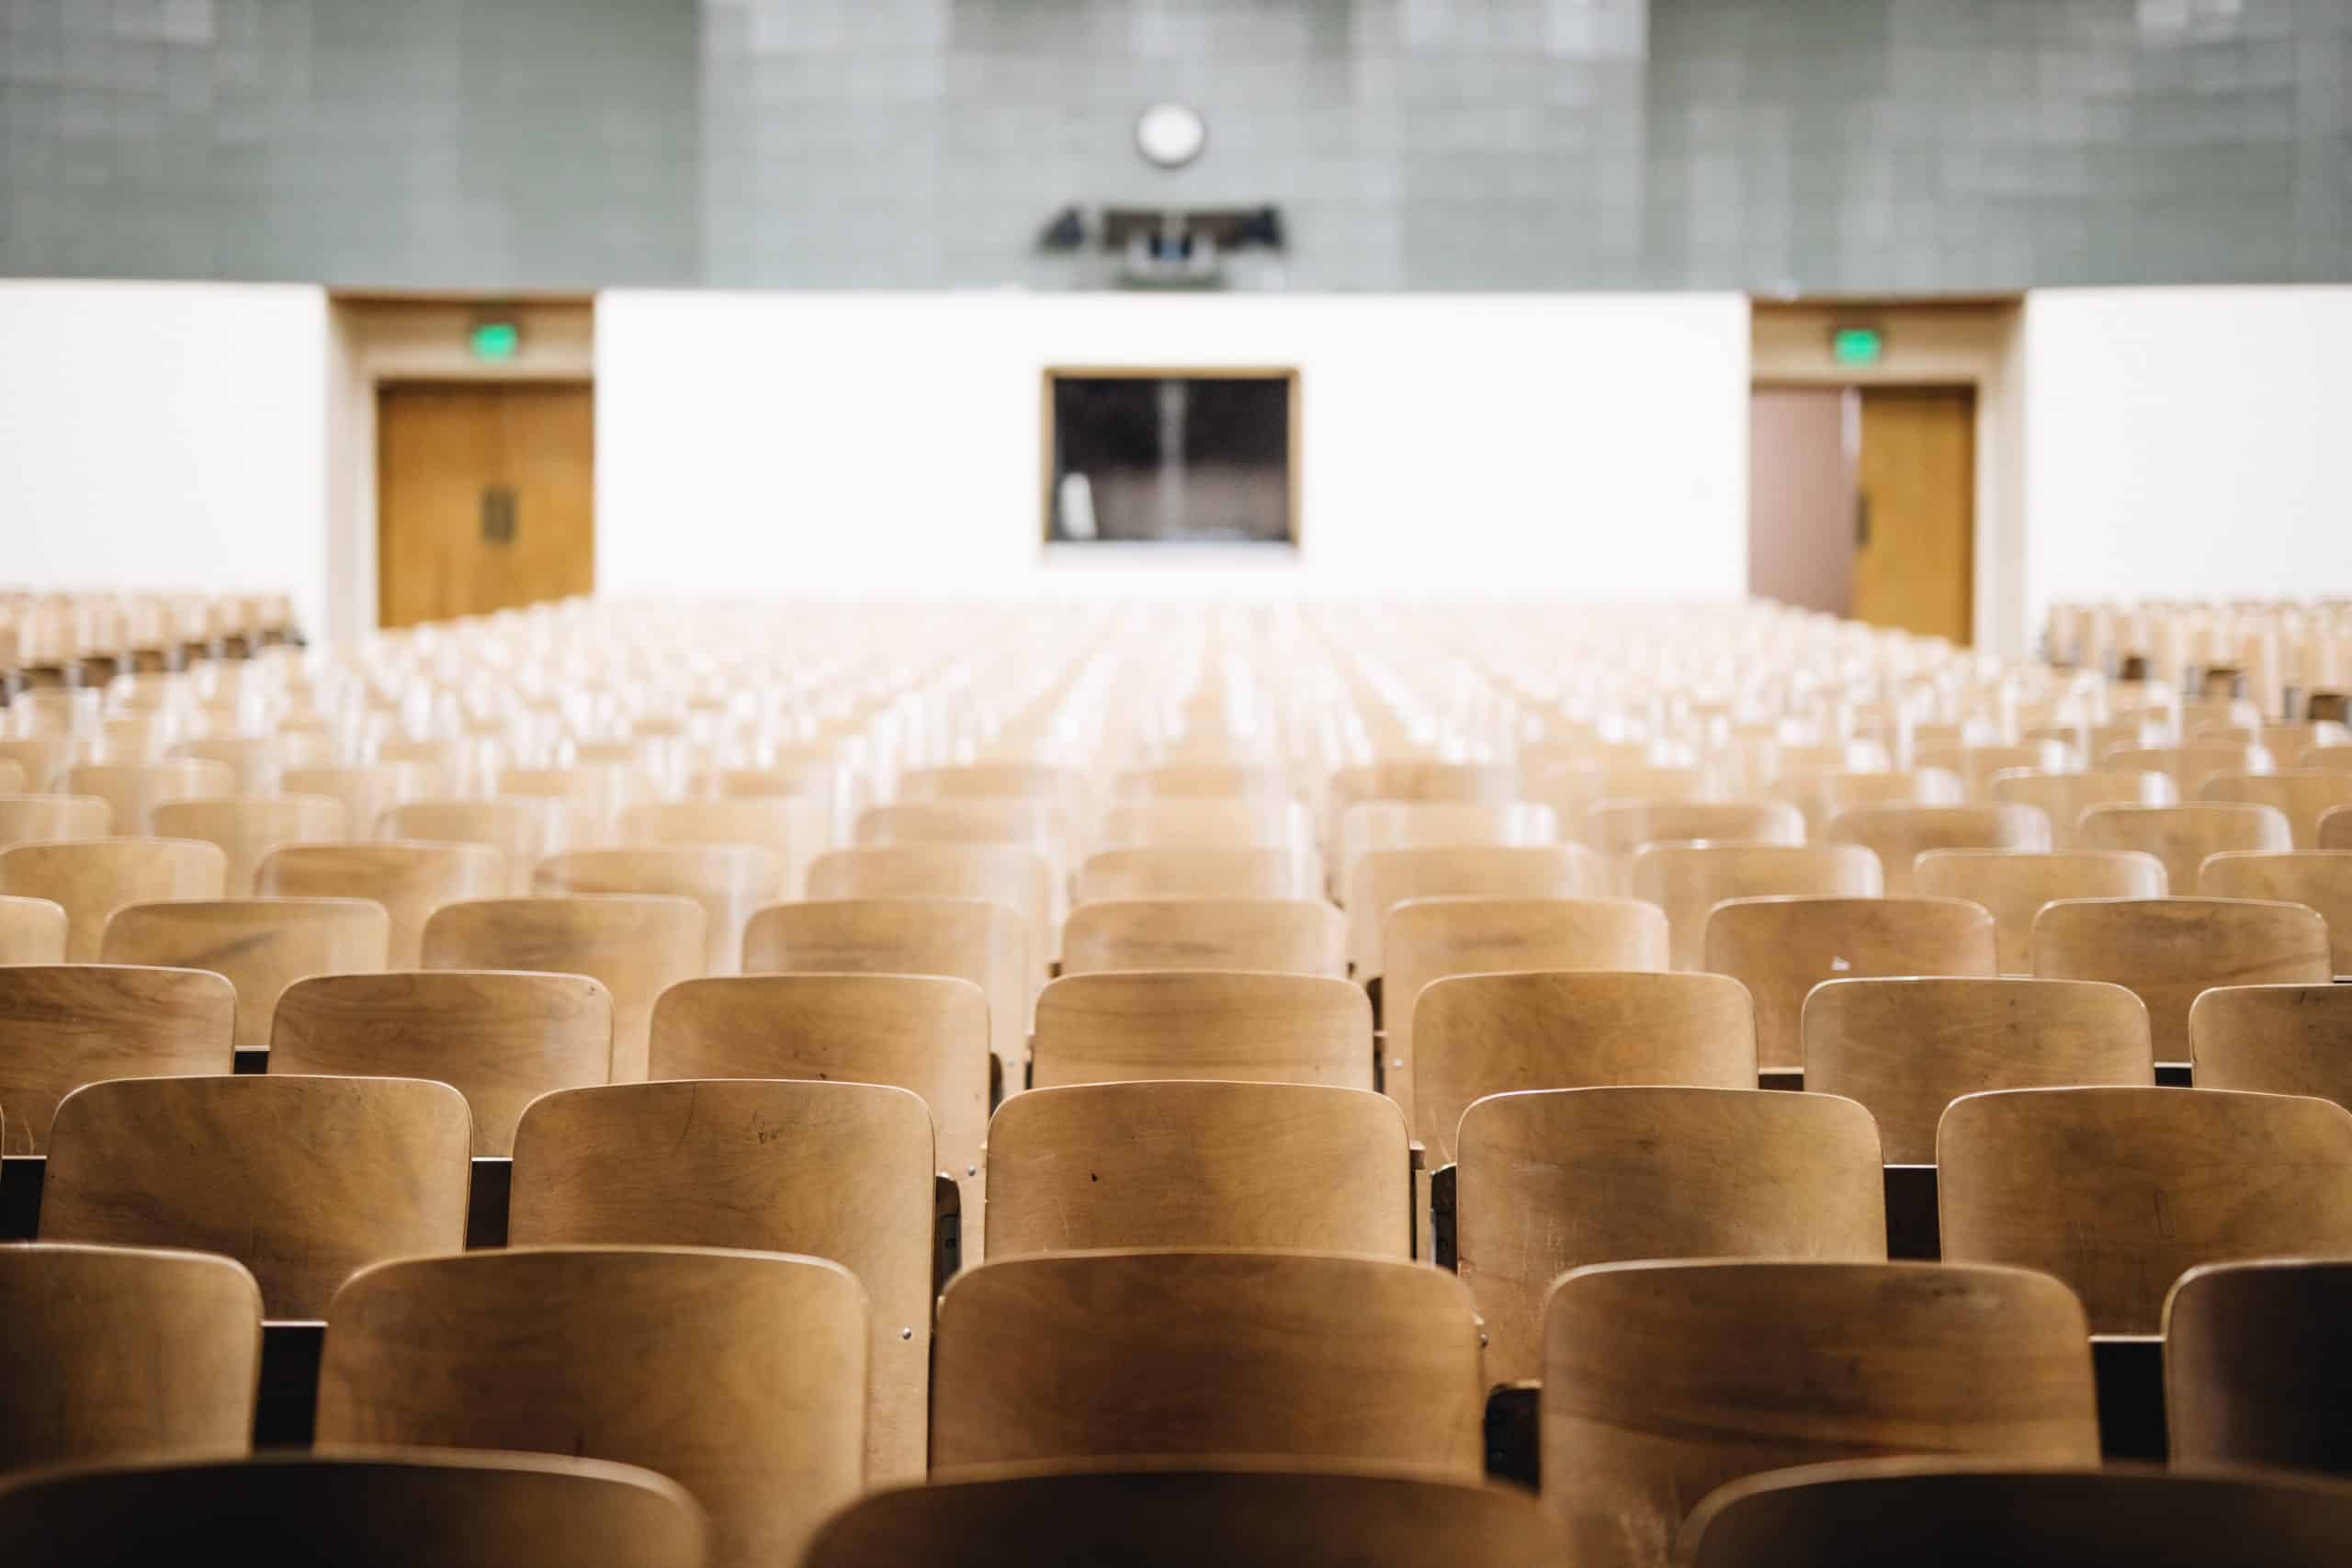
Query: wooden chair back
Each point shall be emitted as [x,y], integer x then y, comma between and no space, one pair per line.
[2258,1371]
[125,1350]
[2317,879]
[1821,793]
[595,794]
[32,931]
[367,790]
[260,945]
[1021,879]
[2184,836]
[1906,1048]
[730,881]
[1664,1380]
[41,760]
[1373,825]
[1899,835]
[1294,936]
[742,1376]
[66,1025]
[1274,1167]
[409,880]
[835,1170]
[1551,1180]
[1227,1025]
[1780,948]
[1616,829]
[1977,766]
[304,1181]
[1576,793]
[2170,950]
[91,878]
[1357,1360]
[1201,780]
[2335,827]
[1475,1035]
[2015,884]
[1687,881]
[2189,766]
[636,946]
[523,829]
[2119,1192]
[2065,797]
[47,819]
[1115,875]
[133,789]
[2274,1040]
[1266,824]
[248,827]
[1042,782]
[2302,796]
[790,828]
[1379,881]
[500,1038]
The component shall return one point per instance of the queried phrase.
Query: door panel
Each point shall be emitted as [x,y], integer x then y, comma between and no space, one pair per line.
[485,498]
[1915,550]
[1801,498]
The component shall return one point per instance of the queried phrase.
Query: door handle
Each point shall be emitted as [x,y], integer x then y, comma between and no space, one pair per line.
[498,514]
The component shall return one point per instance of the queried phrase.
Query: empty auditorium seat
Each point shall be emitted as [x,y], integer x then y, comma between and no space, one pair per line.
[1254,1028]
[1689,880]
[523,831]
[1380,881]
[2258,1371]
[1293,936]
[409,880]
[1205,872]
[730,881]
[91,878]
[46,819]
[2183,836]
[2318,879]
[1899,835]
[2274,1040]
[66,1025]
[247,828]
[261,945]
[2015,884]
[2169,950]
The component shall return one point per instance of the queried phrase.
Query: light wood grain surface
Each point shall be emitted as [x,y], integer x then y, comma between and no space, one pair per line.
[1898,835]
[790,828]
[1020,879]
[247,828]
[409,879]
[132,789]
[92,878]
[1252,1028]
[2169,951]
[1380,881]
[522,830]
[261,945]
[32,931]
[2274,1040]
[2183,836]
[1285,936]
[2014,885]
[730,881]
[1688,881]
[2317,879]
[1200,874]
[68,1025]
[45,818]
[2257,1370]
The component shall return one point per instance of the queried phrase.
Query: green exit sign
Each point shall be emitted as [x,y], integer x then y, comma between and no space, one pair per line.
[495,340]
[1857,345]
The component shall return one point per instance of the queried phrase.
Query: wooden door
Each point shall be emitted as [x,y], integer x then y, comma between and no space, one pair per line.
[485,498]
[1915,538]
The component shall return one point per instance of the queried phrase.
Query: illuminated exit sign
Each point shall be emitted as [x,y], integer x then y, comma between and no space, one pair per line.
[495,340]
[1857,345]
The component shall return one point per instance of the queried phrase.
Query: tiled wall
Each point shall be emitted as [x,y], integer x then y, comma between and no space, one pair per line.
[1822,146]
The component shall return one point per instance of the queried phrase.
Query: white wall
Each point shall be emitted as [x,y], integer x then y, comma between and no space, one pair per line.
[2188,443]
[164,436]
[1579,446]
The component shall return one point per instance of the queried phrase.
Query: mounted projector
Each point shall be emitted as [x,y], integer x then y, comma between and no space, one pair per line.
[1167,247]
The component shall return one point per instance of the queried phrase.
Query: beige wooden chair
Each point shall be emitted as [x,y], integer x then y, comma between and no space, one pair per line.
[730,881]
[1576,793]
[1382,880]
[1023,823]
[257,761]
[2318,879]
[1244,1028]
[1687,881]
[67,1025]
[42,759]
[1275,1167]
[1373,826]
[133,789]
[739,1375]
[1664,1380]
[1296,936]
[113,1351]
[1899,835]
[1206,824]
[32,931]
[523,831]
[367,790]
[2119,1192]
[379,1508]
[12,778]
[260,945]
[248,828]
[1360,1361]
[2274,1040]
[636,946]
[47,818]
[500,1038]
[1475,1035]
[2014,885]
[1551,1180]
[301,1179]
[595,794]
[2258,1371]
[1991,1510]
[1906,1048]
[835,1170]
[1415,780]
[1201,780]
[2303,796]
[1977,766]
[1115,875]
[2336,827]
[2331,757]
[2184,836]
[92,878]
[790,828]
[962,939]
[1617,829]
[409,880]
[1822,793]
[1042,782]
[2187,766]
[2065,797]
[1173,1516]
[1020,878]
[1780,948]
[925,1034]
[2169,950]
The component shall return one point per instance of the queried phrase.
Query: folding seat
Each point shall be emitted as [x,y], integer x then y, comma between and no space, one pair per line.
[595,794]
[132,789]
[835,788]
[739,1375]
[2318,879]
[1206,824]
[1906,1048]
[1274,1167]
[1899,835]
[523,829]
[1618,828]
[1415,780]
[1294,1357]
[1975,766]
[1475,1035]
[2303,796]
[1779,948]
[66,1025]
[788,827]
[1687,881]
[2336,827]
[1020,878]
[1296,936]
[32,931]
[1932,1511]
[1168,1517]
[2274,1040]
[2014,884]
[1035,825]
[113,1351]
[367,790]
[2184,836]
[1663,1381]
[1115,875]
[2189,766]
[92,878]
[2119,1192]
[1203,782]
[301,1179]
[926,1033]
[1373,826]
[1553,1179]
[261,945]
[1238,1027]
[1042,782]
[1575,794]
[411,880]
[730,881]
[2258,1371]
[636,946]
[257,761]
[1822,793]
[248,827]
[500,1038]
[1379,881]
[47,818]
[2169,950]
[842,1171]
[42,757]
[2065,797]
